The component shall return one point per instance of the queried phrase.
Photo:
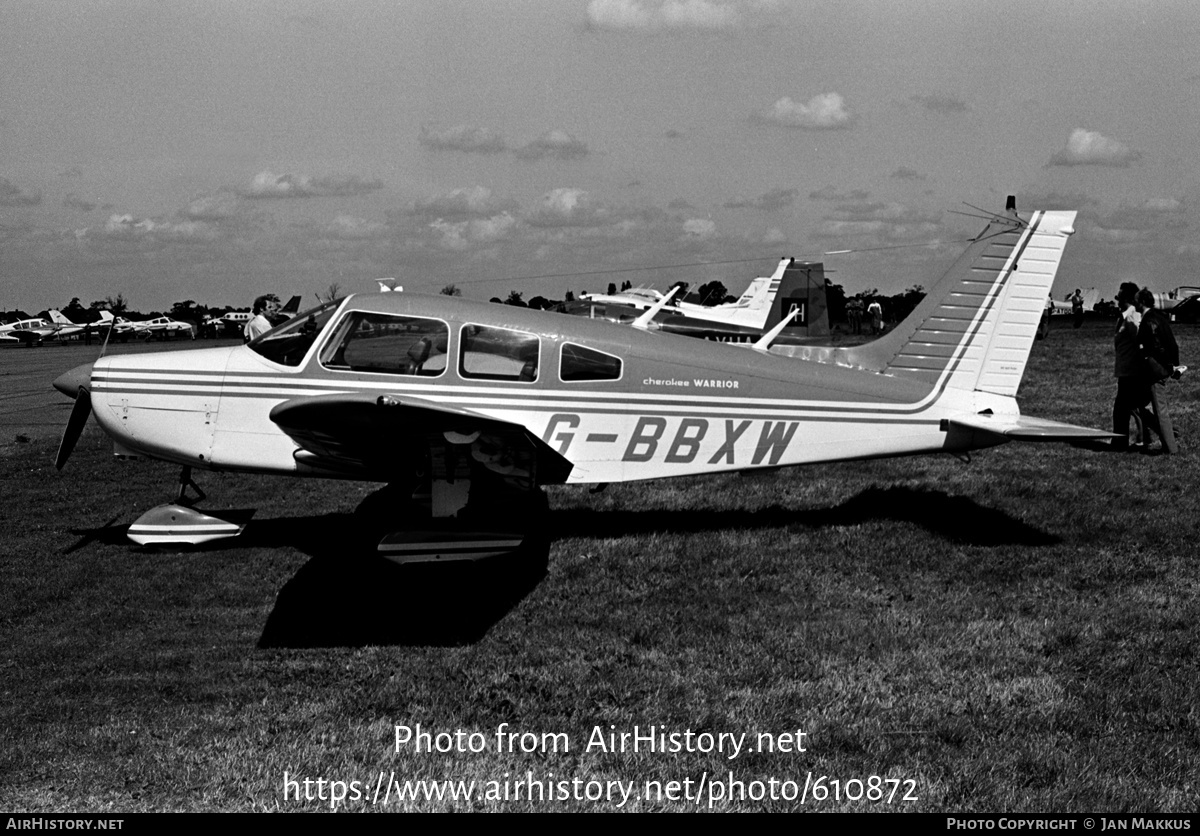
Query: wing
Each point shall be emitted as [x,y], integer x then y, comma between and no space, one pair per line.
[388,436]
[1001,428]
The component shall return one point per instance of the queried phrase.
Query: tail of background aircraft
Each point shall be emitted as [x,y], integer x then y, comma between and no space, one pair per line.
[975,328]
[803,285]
[58,318]
[758,293]
[769,298]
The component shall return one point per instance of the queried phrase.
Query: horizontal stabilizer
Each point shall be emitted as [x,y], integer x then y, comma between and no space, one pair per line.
[1024,428]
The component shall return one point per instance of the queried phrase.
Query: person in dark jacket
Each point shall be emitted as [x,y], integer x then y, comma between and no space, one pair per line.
[1133,393]
[1160,355]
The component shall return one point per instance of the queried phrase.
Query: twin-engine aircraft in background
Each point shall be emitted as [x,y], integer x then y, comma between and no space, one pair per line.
[466,408]
[158,328]
[35,332]
[795,292]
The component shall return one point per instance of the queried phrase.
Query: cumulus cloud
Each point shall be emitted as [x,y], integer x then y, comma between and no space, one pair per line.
[470,201]
[771,201]
[568,207]
[13,195]
[556,144]
[465,139]
[1091,148]
[826,111]
[648,16]
[700,229]
[215,207]
[269,185]
[464,234]
[942,104]
[129,228]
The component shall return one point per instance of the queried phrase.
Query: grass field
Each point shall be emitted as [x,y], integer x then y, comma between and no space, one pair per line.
[1018,633]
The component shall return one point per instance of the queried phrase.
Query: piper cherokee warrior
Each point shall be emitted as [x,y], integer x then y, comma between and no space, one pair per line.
[465,408]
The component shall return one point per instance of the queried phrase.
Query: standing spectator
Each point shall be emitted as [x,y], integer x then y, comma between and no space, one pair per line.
[1160,356]
[1077,307]
[264,306]
[854,313]
[875,311]
[1132,392]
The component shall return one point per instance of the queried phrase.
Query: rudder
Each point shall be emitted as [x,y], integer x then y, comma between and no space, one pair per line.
[975,328]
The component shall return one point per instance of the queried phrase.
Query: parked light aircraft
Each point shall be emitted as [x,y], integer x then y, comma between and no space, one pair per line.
[796,290]
[160,327]
[469,407]
[35,332]
[1168,300]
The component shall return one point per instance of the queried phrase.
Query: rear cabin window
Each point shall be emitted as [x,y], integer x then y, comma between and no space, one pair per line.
[581,363]
[488,353]
[389,344]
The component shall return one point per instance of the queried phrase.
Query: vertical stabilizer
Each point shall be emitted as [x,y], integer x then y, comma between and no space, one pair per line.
[803,287]
[975,328]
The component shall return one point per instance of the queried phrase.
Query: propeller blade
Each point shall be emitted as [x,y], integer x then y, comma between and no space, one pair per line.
[75,424]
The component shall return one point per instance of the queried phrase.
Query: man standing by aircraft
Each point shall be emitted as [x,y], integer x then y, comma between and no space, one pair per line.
[1160,356]
[854,313]
[875,311]
[1077,307]
[1132,394]
[264,306]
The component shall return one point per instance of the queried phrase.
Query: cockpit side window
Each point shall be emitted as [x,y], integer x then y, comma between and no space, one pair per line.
[579,362]
[488,353]
[288,343]
[388,343]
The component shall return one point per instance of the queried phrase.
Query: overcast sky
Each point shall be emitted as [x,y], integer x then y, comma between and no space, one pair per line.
[218,150]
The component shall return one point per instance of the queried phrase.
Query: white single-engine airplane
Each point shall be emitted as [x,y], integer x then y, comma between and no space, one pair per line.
[468,407]
[796,291]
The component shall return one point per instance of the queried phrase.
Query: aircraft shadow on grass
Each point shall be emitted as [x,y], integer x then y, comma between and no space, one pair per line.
[344,596]
[955,518]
